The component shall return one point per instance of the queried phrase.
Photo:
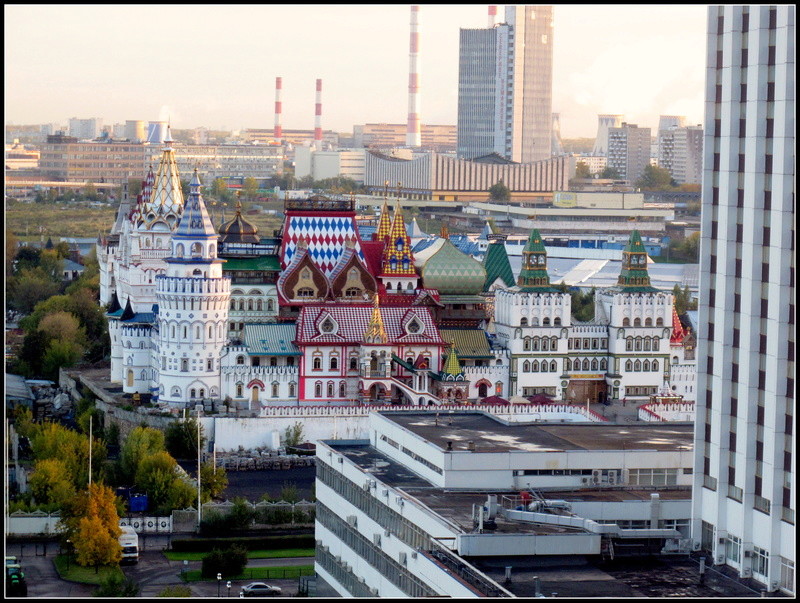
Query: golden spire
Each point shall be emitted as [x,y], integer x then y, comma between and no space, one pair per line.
[452,366]
[445,234]
[384,222]
[375,332]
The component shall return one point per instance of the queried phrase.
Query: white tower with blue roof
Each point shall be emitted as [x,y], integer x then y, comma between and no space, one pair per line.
[192,314]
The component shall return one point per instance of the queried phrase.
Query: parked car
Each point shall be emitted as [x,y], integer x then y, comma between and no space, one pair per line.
[259,589]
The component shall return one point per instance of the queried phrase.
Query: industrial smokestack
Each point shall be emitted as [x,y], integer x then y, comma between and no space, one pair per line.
[492,15]
[277,133]
[318,118]
[414,132]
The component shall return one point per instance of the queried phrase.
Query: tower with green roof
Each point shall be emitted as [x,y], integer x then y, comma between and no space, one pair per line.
[533,275]
[634,275]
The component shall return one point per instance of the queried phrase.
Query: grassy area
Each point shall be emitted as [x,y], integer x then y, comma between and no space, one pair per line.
[69,570]
[257,573]
[180,556]
[59,220]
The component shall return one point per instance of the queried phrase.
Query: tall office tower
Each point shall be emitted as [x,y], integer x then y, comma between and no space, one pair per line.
[744,490]
[604,122]
[505,86]
[628,150]
[680,151]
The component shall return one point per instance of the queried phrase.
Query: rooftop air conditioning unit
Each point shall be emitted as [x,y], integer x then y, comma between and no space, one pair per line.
[400,501]
[721,540]
[597,475]
[626,476]
[387,533]
[585,481]
[612,477]
[748,554]
[414,555]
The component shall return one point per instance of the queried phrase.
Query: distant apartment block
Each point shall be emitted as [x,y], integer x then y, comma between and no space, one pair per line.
[85,129]
[595,163]
[441,139]
[330,139]
[629,150]
[320,165]
[680,150]
[67,159]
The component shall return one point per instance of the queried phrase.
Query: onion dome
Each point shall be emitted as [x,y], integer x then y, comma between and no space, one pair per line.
[238,230]
[452,272]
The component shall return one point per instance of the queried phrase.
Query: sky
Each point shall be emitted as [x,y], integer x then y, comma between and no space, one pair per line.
[215,65]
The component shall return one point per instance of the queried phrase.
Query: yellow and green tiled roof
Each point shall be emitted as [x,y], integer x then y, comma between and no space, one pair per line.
[469,343]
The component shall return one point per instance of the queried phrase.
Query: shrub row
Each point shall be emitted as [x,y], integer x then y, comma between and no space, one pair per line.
[263,543]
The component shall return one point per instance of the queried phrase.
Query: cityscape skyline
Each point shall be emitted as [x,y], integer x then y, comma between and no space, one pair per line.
[655,69]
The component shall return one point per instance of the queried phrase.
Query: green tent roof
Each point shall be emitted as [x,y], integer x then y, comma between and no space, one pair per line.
[271,339]
[496,264]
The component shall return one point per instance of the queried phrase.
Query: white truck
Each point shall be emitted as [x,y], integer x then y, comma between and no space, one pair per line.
[129,541]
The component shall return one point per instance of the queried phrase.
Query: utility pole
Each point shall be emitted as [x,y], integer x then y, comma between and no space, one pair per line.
[90,450]
[199,512]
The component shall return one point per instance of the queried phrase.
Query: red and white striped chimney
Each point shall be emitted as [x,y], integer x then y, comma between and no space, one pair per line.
[414,131]
[318,118]
[492,15]
[277,133]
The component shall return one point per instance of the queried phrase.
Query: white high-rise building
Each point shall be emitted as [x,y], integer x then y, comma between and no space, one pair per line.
[629,150]
[744,489]
[505,87]
[680,150]
[85,129]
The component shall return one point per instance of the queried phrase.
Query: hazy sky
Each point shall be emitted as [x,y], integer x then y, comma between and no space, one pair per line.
[215,65]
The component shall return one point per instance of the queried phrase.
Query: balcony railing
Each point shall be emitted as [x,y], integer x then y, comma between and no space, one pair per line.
[710,482]
[735,493]
[761,504]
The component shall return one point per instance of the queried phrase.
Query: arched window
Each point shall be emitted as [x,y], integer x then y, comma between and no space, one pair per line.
[239,388]
[259,305]
[646,366]
[545,344]
[192,393]
[567,364]
[604,364]
[274,390]
[179,250]
[526,344]
[646,344]
[656,344]
[659,322]
[341,389]
[330,389]
[629,344]
[557,322]
[202,393]
[637,367]
[249,304]
[535,366]
[628,366]
[352,292]
[305,292]
[353,363]
[655,365]
[270,306]
[626,322]
[498,388]
[595,366]
[648,322]
[197,250]
[523,322]
[197,332]
[273,361]
[175,392]
[554,343]
[637,344]
[545,322]
[553,366]
[674,360]
[290,361]
[526,367]
[586,364]
[637,322]
[536,344]
[210,331]
[185,332]
[334,363]
[292,390]
[318,389]
[317,363]
[240,360]
[543,367]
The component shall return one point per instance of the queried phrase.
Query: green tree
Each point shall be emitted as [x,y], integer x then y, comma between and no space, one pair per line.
[29,288]
[219,188]
[51,264]
[140,443]
[293,435]
[26,258]
[51,483]
[250,188]
[499,192]
[289,492]
[228,562]
[655,178]
[175,592]
[180,438]
[582,170]
[63,326]
[119,586]
[609,173]
[212,482]
[59,354]
[241,514]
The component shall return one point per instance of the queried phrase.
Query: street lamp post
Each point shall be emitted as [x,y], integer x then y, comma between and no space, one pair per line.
[219,583]
[229,588]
